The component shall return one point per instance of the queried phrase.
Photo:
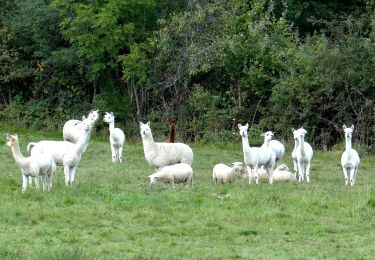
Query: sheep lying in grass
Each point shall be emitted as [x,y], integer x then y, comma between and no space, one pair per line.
[163,154]
[63,152]
[74,129]
[116,137]
[177,173]
[33,166]
[275,145]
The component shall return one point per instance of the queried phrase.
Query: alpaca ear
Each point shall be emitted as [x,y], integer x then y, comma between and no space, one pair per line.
[239,125]
[148,123]
[352,127]
[111,113]
[247,124]
[262,134]
[140,124]
[344,126]
[293,129]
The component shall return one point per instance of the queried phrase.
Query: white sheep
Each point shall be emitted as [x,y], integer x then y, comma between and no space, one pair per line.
[350,158]
[116,137]
[73,129]
[64,153]
[163,154]
[177,173]
[281,173]
[224,173]
[275,145]
[33,166]
[254,157]
[303,154]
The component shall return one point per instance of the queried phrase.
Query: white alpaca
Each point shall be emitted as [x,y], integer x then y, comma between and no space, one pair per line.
[275,145]
[64,153]
[163,154]
[303,154]
[350,158]
[116,137]
[33,166]
[294,153]
[254,157]
[73,129]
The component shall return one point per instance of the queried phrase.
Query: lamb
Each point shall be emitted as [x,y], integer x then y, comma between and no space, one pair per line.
[177,173]
[275,145]
[224,173]
[33,166]
[281,173]
[73,129]
[303,154]
[257,156]
[116,137]
[163,154]
[350,158]
[64,153]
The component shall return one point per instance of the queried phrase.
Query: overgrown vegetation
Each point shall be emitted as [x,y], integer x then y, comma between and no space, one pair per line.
[210,64]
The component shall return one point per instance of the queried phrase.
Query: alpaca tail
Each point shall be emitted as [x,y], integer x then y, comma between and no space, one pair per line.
[30,145]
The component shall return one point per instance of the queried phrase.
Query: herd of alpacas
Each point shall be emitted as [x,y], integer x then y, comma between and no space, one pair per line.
[172,160]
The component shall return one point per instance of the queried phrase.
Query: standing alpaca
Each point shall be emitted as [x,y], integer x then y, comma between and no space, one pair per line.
[349,159]
[163,154]
[294,153]
[172,131]
[275,145]
[73,129]
[64,153]
[256,156]
[116,137]
[32,166]
[303,154]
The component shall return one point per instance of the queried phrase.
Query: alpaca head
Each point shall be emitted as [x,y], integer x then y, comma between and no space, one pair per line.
[268,136]
[11,140]
[145,129]
[93,116]
[108,117]
[348,131]
[243,129]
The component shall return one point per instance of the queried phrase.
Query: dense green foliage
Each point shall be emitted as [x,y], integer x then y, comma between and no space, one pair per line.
[276,64]
[111,212]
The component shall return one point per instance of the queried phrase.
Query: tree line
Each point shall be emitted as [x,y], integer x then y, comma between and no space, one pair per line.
[211,64]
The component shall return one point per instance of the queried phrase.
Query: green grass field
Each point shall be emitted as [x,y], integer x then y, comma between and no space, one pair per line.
[112,212]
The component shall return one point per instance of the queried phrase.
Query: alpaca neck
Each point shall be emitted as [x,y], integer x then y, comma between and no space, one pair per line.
[245,146]
[111,126]
[148,143]
[172,134]
[80,146]
[295,144]
[18,156]
[348,144]
[301,143]
[267,142]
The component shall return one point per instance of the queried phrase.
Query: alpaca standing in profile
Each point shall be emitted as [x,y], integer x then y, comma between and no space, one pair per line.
[350,158]
[172,131]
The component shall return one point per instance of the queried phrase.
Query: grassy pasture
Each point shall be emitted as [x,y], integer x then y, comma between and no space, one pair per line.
[112,212]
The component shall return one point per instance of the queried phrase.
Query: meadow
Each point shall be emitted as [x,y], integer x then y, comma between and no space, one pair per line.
[111,211]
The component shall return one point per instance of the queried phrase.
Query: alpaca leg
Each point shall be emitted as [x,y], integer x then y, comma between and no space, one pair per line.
[270,174]
[345,170]
[352,176]
[295,166]
[24,183]
[300,171]
[308,171]
[49,187]
[36,180]
[30,180]
[249,172]
[256,169]
[66,175]
[355,174]
[72,174]
[44,181]
[113,150]
[120,154]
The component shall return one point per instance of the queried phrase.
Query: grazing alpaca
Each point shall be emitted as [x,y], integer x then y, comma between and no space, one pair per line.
[172,131]
[350,158]
[32,166]
[303,153]
[163,154]
[254,157]
[116,137]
